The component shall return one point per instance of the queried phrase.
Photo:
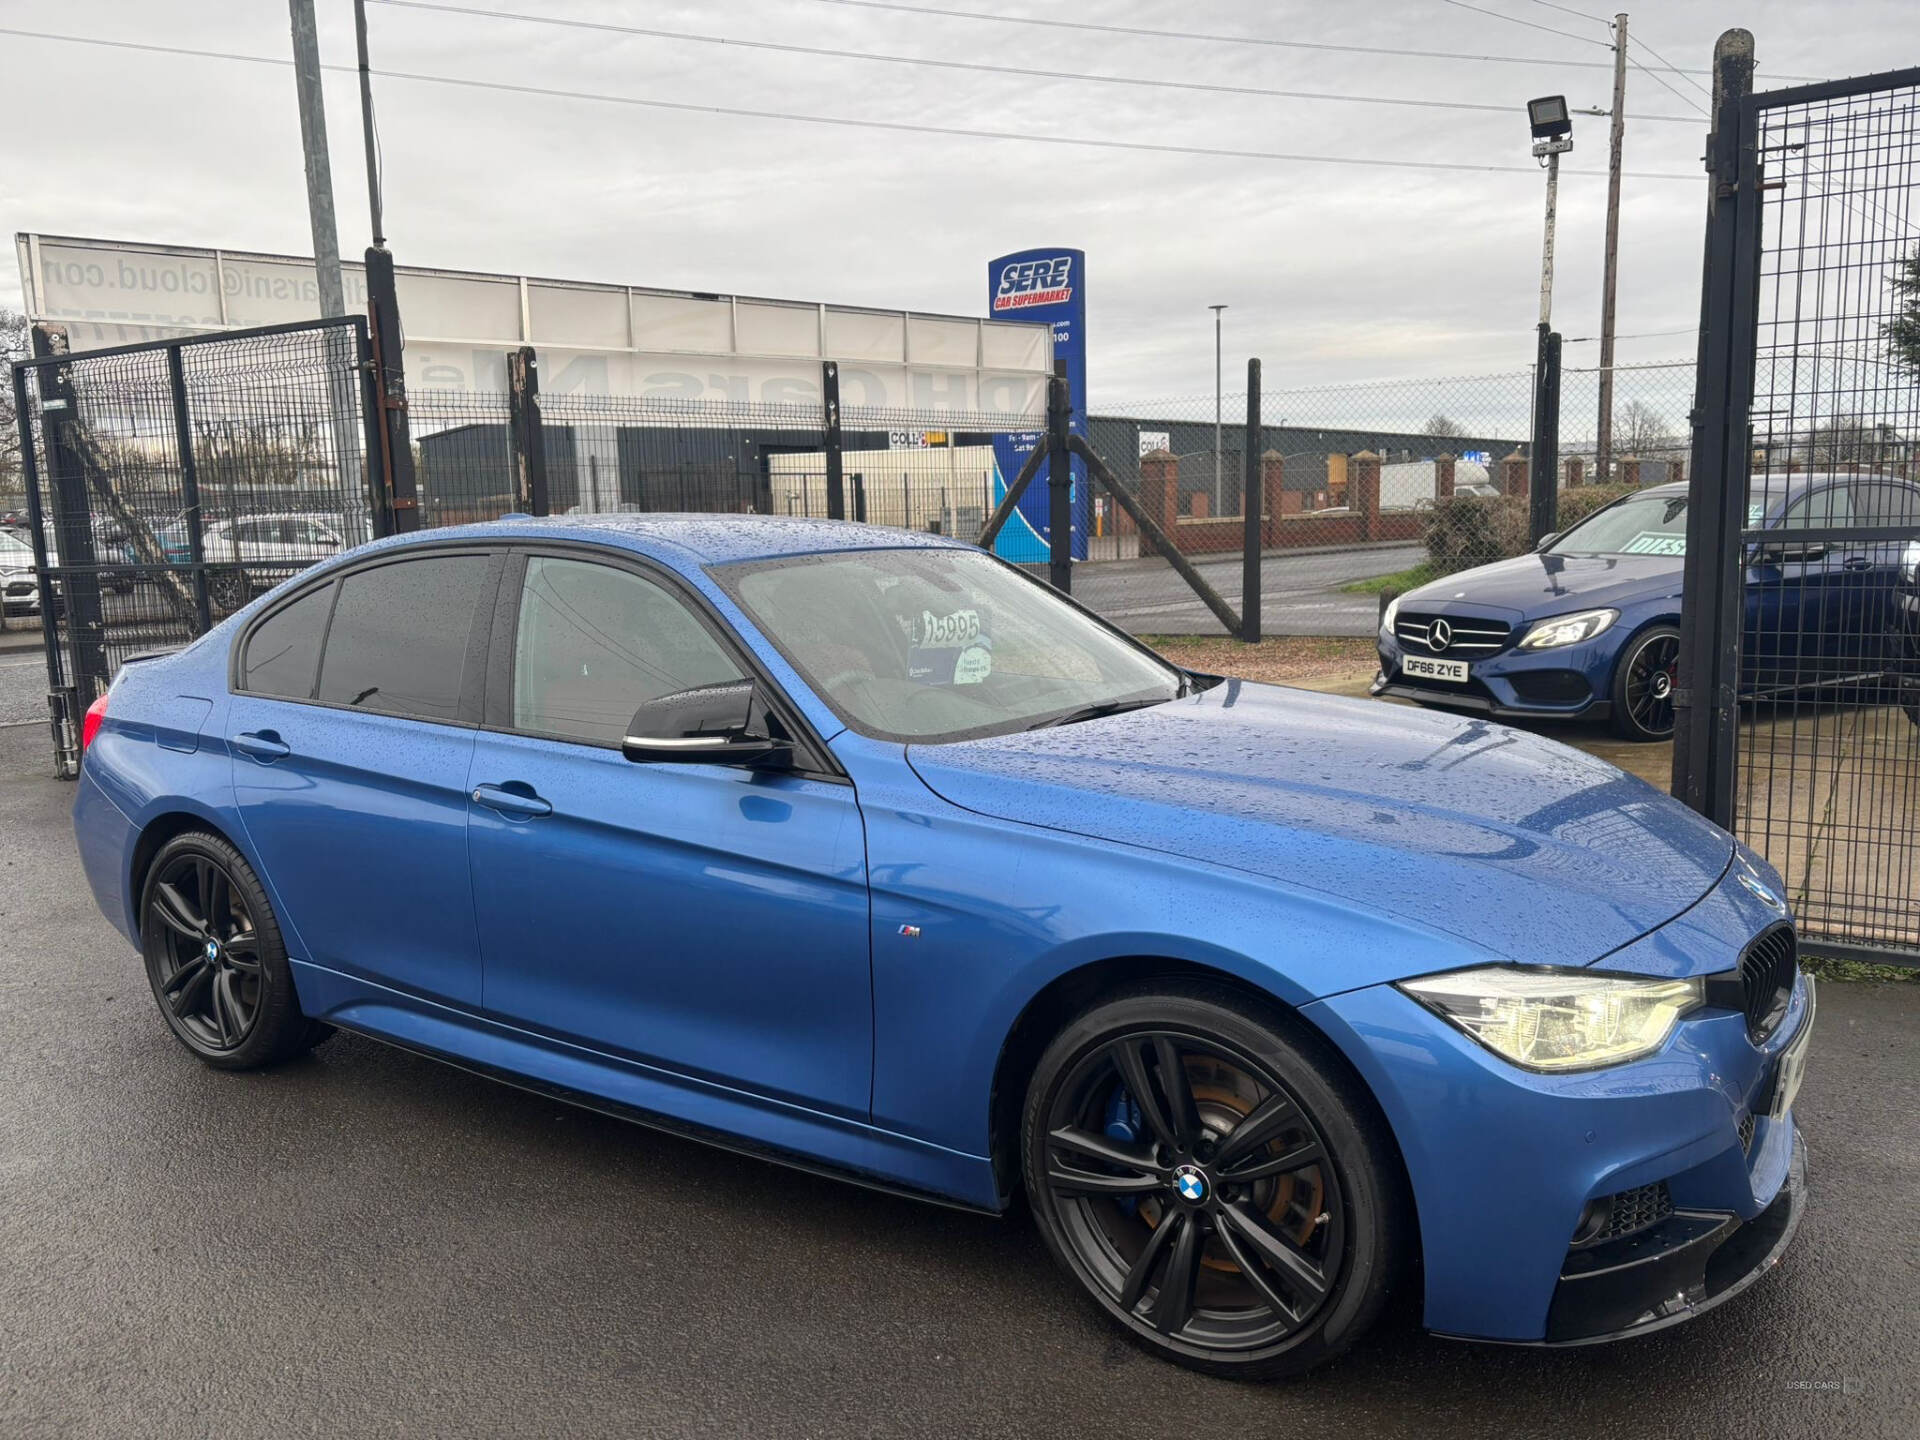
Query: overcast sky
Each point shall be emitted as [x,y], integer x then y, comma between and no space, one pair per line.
[1334,272]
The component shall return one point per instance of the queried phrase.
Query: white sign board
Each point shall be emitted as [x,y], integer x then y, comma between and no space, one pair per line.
[592,339]
[1153,440]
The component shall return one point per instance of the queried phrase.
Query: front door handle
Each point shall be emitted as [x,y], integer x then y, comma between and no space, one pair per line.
[262,745]
[511,802]
[1857,562]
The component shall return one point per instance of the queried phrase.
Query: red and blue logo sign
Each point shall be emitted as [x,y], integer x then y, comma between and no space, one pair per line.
[1026,284]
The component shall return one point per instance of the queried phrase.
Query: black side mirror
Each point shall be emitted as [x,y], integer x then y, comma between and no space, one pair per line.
[724,724]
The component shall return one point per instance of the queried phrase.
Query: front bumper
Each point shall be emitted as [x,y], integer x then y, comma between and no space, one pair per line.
[1505,1162]
[1570,683]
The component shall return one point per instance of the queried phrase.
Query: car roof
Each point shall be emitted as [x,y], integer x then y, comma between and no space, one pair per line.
[697,539]
[1785,484]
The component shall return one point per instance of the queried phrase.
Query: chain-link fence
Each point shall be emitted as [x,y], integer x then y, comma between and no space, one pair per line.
[1362,488]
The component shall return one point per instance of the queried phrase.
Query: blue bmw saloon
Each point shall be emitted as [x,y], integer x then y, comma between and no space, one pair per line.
[1586,627]
[862,851]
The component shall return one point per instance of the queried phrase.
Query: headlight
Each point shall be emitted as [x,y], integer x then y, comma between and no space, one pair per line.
[1392,614]
[1559,1019]
[1910,562]
[1568,629]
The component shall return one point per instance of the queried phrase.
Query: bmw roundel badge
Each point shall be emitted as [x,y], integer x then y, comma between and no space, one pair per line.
[1190,1185]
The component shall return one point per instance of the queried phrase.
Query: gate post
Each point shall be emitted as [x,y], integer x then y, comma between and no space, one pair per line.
[525,436]
[1713,609]
[395,457]
[1059,485]
[830,424]
[72,524]
[1543,495]
[189,489]
[65,735]
[1251,492]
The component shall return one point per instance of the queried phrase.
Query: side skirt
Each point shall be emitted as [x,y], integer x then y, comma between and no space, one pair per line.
[733,1120]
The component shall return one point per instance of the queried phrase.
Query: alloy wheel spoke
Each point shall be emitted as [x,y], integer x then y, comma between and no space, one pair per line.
[179,916]
[1261,1125]
[1184,1114]
[1135,1285]
[1086,1182]
[1298,1158]
[184,999]
[242,952]
[223,1008]
[1301,1270]
[1255,1275]
[1108,1151]
[1132,1066]
[186,974]
[1173,1304]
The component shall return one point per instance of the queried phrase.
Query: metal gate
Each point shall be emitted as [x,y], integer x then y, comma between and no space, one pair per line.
[169,482]
[1800,686]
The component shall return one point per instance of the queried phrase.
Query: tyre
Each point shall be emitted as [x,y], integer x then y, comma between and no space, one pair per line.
[1215,1181]
[216,960]
[1643,683]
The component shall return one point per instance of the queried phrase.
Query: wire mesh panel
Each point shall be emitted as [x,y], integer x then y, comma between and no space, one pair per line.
[1828,760]
[171,482]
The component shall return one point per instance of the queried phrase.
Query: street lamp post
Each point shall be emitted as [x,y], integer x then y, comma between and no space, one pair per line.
[1552,128]
[1218,498]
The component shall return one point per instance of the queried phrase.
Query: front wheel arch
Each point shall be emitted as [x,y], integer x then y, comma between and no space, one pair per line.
[1071,994]
[1628,648]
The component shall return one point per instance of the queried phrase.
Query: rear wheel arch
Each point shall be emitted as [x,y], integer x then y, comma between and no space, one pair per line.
[157,832]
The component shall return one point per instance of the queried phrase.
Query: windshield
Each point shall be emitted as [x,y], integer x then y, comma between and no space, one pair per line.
[941,644]
[1638,525]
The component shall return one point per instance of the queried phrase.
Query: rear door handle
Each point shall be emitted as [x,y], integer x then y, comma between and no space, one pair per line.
[262,745]
[1857,562]
[510,802]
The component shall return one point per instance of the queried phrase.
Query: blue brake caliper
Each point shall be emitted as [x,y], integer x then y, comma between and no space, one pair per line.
[1123,1123]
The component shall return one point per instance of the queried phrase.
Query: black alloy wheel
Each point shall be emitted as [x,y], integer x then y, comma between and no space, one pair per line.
[215,957]
[1643,684]
[1205,1177]
[228,590]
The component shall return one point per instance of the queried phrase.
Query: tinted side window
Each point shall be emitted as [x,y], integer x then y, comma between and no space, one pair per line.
[594,641]
[399,638]
[1828,509]
[284,649]
[1884,504]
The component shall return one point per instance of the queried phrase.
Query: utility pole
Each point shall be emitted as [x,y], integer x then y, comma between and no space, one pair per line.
[1217,499]
[313,140]
[1603,456]
[1552,127]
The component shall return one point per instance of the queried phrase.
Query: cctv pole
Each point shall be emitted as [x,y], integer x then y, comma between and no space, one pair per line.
[313,141]
[1603,449]
[1542,487]
[1217,497]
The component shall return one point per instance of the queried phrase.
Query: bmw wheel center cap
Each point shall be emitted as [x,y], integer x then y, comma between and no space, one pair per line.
[1190,1185]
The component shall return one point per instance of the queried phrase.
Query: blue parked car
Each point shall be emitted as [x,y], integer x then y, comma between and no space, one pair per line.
[862,851]
[1586,627]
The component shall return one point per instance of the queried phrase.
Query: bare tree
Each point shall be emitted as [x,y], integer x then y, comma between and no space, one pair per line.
[1850,440]
[13,345]
[1640,431]
[1443,427]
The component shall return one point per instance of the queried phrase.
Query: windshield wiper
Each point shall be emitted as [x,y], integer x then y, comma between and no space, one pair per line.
[1095,712]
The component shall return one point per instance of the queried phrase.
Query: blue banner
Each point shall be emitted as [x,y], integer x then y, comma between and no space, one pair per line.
[1050,286]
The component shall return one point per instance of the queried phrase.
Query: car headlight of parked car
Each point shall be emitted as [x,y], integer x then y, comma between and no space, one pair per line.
[1559,1019]
[1392,612]
[1568,629]
[1910,562]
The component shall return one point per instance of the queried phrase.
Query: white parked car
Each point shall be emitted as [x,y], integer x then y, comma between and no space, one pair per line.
[19,586]
[255,552]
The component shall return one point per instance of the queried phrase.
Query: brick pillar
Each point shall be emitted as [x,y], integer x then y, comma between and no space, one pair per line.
[1630,471]
[1443,478]
[1513,475]
[1576,471]
[1363,493]
[1159,492]
[1676,471]
[1200,505]
[1273,497]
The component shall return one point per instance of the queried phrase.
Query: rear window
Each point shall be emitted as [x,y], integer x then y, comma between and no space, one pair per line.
[398,643]
[284,650]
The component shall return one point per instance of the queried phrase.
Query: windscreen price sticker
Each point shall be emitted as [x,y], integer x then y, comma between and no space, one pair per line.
[1656,542]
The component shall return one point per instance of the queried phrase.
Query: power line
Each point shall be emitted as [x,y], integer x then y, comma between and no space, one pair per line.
[1670,66]
[1530,24]
[846,122]
[1577,14]
[1654,75]
[981,67]
[1147,32]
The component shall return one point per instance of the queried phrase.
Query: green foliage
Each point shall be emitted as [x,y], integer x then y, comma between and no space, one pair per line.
[1468,530]
[1578,503]
[1903,331]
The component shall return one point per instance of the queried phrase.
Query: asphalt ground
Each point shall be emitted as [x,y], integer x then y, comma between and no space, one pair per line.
[1300,591]
[367,1243]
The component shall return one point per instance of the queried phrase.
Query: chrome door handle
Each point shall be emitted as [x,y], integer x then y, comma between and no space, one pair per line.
[1857,562]
[262,745]
[510,802]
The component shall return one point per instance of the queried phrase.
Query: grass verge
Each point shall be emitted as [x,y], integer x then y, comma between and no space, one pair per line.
[1826,967]
[1399,582]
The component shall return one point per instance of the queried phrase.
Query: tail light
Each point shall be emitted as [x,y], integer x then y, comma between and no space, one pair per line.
[90,726]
